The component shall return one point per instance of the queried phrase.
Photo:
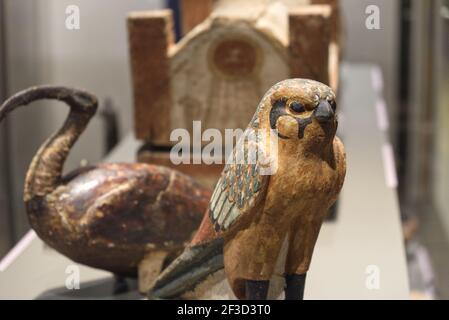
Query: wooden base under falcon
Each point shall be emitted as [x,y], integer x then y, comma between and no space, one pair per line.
[283,189]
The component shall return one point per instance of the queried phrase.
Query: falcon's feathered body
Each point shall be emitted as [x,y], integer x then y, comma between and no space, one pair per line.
[280,181]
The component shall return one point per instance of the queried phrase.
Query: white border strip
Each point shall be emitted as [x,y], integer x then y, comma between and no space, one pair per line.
[382,116]
[17,250]
[391,178]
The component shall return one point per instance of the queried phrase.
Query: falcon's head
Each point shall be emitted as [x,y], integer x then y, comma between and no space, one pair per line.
[301,112]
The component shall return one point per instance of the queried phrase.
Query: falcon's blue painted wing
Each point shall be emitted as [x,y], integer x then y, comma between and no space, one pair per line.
[241,184]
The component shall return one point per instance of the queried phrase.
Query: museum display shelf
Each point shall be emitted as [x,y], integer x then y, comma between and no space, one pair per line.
[359,255]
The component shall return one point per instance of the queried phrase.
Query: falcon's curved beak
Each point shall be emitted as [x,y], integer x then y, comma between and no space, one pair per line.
[324,113]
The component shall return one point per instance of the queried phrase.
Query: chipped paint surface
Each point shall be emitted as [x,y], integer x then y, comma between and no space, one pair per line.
[288,206]
[130,210]
[107,216]
[294,200]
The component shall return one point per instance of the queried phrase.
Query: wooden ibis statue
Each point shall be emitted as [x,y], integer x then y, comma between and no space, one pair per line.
[110,216]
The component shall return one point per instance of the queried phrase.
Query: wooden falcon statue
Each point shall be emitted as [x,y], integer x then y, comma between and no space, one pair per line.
[281,179]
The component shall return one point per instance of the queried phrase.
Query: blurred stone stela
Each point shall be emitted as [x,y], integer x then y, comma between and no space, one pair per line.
[231,52]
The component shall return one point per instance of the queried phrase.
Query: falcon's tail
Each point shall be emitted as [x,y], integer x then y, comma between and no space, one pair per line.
[189,269]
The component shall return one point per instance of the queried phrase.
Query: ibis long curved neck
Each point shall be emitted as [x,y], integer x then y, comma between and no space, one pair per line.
[45,171]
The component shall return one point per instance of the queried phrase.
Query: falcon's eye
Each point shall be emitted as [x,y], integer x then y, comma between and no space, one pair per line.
[297,107]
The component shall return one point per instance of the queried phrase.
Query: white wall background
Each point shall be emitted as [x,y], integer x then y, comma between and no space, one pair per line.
[41,50]
[375,46]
